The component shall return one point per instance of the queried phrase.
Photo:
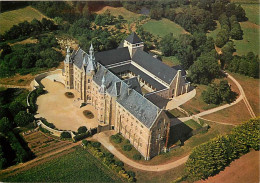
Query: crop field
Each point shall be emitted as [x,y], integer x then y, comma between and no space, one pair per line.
[163,27]
[77,166]
[41,144]
[10,18]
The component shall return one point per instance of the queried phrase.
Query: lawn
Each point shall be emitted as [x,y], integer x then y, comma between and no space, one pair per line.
[163,27]
[252,12]
[13,17]
[250,40]
[251,89]
[176,113]
[235,114]
[128,15]
[192,124]
[77,166]
[171,61]
[214,33]
[196,104]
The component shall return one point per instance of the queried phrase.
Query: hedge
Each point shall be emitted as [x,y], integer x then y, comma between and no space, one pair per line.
[51,125]
[33,98]
[65,135]
[210,158]
[21,154]
[82,129]
[96,144]
[81,136]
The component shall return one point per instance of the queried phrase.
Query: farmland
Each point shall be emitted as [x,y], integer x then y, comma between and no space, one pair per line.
[10,18]
[77,166]
[41,144]
[163,27]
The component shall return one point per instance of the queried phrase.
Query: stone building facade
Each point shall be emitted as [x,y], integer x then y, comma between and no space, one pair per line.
[124,85]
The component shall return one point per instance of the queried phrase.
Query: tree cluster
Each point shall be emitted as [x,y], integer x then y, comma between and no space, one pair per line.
[26,29]
[229,28]
[210,158]
[187,47]
[24,58]
[246,64]
[218,93]
[205,68]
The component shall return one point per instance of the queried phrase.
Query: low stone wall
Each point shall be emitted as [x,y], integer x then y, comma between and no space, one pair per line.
[37,80]
[53,131]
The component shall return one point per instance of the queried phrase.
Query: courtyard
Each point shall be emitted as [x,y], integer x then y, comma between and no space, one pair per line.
[62,111]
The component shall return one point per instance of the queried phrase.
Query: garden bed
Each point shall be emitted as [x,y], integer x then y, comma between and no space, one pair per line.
[88,114]
[69,95]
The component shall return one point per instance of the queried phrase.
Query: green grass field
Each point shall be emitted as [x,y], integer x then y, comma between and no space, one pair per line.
[214,33]
[192,124]
[250,40]
[252,12]
[10,18]
[163,27]
[77,166]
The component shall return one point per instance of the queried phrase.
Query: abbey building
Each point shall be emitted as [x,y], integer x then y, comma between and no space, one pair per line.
[124,85]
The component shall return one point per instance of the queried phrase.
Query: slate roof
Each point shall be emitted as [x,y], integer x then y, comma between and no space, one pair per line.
[179,67]
[134,84]
[113,56]
[136,104]
[77,57]
[144,76]
[154,66]
[133,38]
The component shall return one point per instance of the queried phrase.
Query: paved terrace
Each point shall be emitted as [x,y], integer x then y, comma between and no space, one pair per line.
[63,112]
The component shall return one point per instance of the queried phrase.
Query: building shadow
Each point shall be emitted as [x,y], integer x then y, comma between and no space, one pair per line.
[179,132]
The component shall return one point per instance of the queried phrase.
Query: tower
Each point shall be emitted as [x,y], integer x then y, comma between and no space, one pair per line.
[90,70]
[133,42]
[102,101]
[68,70]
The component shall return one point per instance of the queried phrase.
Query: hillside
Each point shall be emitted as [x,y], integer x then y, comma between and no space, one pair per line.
[13,17]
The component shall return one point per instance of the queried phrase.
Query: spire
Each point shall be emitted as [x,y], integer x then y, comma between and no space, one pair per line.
[91,51]
[102,87]
[67,58]
[91,67]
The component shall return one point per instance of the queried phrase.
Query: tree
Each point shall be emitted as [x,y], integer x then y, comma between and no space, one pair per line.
[205,68]
[15,107]
[225,92]
[236,31]
[210,96]
[23,118]
[6,49]
[5,125]
[82,129]
[222,38]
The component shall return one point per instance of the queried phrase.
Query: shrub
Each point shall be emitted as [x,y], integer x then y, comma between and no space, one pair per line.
[137,157]
[131,174]
[51,125]
[116,138]
[109,155]
[65,135]
[96,144]
[85,142]
[81,136]
[82,129]
[127,141]
[119,163]
[127,147]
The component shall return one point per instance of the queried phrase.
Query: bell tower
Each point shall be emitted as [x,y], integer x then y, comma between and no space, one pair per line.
[133,42]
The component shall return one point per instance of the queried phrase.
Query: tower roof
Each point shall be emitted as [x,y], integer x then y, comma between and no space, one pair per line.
[133,38]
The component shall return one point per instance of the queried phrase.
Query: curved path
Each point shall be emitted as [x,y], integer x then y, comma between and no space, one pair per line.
[241,97]
[103,138]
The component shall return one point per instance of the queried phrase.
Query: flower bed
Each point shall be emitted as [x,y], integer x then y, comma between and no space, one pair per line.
[69,94]
[88,114]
